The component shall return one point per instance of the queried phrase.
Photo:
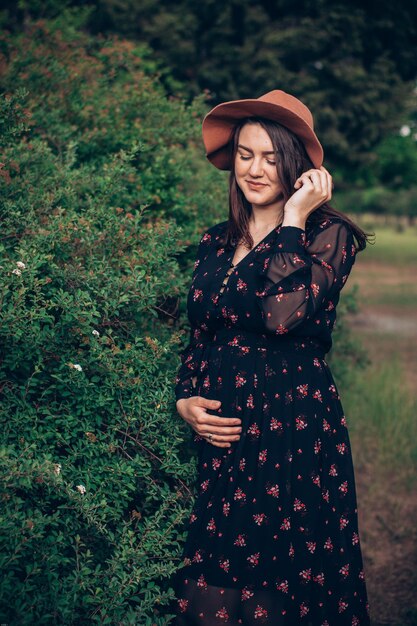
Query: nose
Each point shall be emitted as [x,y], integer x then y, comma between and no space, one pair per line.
[256,168]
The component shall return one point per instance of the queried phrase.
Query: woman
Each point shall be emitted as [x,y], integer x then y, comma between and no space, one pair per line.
[273,536]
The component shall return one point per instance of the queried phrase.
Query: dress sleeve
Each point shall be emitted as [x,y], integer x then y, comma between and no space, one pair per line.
[299,280]
[191,360]
[192,355]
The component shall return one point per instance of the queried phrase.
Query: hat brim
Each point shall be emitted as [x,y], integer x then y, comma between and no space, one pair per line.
[218,127]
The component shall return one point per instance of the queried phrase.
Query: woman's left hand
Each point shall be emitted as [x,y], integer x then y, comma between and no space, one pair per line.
[313,188]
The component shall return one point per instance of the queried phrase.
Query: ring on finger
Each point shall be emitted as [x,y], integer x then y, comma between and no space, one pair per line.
[210,437]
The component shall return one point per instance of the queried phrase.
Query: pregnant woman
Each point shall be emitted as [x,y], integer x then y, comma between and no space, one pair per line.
[273,536]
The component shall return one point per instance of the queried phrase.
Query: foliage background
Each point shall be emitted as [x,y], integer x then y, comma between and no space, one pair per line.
[104,194]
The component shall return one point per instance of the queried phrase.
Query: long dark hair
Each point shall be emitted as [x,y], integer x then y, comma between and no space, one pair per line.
[292,160]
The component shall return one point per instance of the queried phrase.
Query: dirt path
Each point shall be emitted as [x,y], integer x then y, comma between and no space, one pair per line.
[387,507]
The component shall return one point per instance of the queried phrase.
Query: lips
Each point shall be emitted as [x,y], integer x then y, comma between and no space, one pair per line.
[255,184]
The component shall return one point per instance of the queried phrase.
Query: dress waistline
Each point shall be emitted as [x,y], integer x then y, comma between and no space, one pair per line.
[237,337]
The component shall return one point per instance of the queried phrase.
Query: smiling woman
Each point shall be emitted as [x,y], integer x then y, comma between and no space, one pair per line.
[273,537]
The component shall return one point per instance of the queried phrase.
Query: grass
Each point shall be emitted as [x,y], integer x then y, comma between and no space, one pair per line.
[398,248]
[381,416]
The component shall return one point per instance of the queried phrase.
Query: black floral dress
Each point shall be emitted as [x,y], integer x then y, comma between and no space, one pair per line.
[273,536]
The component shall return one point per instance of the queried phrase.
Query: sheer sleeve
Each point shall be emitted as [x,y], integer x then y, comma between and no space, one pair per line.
[192,355]
[298,280]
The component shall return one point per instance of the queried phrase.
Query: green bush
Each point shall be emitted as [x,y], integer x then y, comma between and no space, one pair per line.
[94,478]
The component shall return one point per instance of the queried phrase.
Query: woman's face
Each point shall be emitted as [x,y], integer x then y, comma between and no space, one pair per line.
[255,168]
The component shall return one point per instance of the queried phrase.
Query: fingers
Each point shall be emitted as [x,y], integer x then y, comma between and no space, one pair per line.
[318,181]
[220,440]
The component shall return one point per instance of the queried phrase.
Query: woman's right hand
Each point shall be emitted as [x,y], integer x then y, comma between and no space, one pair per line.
[224,429]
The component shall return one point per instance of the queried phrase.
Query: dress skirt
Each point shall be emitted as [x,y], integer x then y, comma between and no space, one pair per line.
[273,536]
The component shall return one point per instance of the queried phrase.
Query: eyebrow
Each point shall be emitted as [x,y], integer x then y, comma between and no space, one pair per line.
[249,150]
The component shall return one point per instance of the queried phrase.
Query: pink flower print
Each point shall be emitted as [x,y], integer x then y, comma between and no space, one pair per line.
[317,446]
[302,391]
[300,423]
[328,545]
[242,286]
[259,518]
[262,456]
[319,579]
[253,559]
[275,424]
[226,508]
[317,395]
[220,251]
[288,397]
[242,464]
[254,431]
[298,505]
[204,485]
[326,425]
[240,380]
[240,495]
[316,362]
[344,253]
[215,463]
[249,402]
[183,604]
[333,470]
[333,390]
[291,551]
[355,621]
[343,488]
[343,522]
[197,558]
[362,575]
[315,288]
[211,526]
[280,330]
[246,594]
[260,612]
[282,586]
[223,614]
[311,546]
[201,582]
[206,238]
[325,495]
[206,383]
[303,609]
[342,605]
[286,524]
[273,490]
[316,480]
[225,564]
[197,295]
[305,574]
[193,518]
[344,570]
[355,539]
[341,448]
[240,541]
[255,380]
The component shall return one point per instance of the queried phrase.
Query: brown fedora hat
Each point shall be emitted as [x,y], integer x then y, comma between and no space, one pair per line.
[278,106]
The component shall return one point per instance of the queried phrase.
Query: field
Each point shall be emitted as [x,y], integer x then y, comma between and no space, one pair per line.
[380,406]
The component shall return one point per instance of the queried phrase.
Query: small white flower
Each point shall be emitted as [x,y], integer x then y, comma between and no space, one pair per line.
[20,265]
[405,131]
[95,333]
[57,468]
[81,489]
[75,366]
[17,272]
